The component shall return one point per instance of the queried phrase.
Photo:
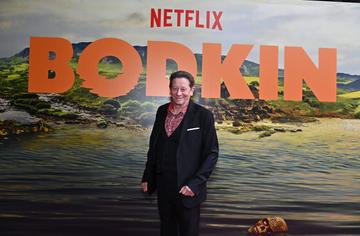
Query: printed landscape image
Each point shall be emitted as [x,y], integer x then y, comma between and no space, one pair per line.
[23,112]
[71,163]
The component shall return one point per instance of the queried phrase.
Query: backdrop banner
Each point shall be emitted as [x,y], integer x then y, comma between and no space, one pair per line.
[81,81]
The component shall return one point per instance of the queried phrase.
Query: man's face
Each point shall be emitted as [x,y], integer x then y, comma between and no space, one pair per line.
[180,91]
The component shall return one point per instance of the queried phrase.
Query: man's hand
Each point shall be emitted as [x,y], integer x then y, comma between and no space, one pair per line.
[186,191]
[144,186]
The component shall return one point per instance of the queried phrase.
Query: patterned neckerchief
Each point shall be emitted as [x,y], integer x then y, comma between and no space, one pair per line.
[173,120]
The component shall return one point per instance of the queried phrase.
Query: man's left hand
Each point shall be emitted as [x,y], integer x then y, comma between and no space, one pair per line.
[186,191]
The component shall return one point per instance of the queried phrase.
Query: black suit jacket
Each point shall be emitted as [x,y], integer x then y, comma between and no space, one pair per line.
[196,155]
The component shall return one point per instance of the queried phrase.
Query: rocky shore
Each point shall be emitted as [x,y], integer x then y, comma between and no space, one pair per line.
[32,113]
[255,115]
[15,122]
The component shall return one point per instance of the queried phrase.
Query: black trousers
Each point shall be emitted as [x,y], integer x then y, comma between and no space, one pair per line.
[175,219]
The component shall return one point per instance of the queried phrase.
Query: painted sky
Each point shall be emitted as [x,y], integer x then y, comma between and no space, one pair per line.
[308,24]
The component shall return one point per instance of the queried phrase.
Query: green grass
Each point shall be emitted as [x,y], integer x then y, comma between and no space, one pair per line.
[250,79]
[14,79]
[343,81]
[351,95]
[83,96]
[110,68]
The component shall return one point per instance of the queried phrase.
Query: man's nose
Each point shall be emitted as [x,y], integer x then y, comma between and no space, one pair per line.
[178,92]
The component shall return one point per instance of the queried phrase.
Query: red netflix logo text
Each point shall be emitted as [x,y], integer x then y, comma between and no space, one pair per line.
[185,18]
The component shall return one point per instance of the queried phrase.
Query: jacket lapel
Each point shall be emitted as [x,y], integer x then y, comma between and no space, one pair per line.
[160,125]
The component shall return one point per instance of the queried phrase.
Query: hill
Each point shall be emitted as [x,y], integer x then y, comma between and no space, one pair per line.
[353,86]
[248,68]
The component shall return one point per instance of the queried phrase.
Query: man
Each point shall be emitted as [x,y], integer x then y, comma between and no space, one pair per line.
[183,151]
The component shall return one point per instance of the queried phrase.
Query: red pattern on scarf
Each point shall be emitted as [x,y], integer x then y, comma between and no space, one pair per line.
[172,120]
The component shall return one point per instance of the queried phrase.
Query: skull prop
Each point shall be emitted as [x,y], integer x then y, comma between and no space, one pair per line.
[269,225]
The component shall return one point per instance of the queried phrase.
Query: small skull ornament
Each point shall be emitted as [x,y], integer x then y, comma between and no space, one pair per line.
[268,225]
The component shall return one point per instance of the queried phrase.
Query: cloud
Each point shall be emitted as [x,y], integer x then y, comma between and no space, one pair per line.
[6,25]
[136,18]
[301,23]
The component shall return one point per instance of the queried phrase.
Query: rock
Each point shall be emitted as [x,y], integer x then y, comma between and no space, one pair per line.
[72,122]
[113,102]
[10,127]
[3,132]
[247,120]
[147,119]
[236,123]
[228,113]
[122,118]
[4,105]
[255,109]
[102,124]
[120,124]
[295,130]
[268,109]
[20,117]
[261,128]
[280,129]
[108,110]
[235,131]
[19,131]
[266,134]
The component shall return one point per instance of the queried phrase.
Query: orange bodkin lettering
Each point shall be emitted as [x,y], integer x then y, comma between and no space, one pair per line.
[229,71]
[124,82]
[158,53]
[40,64]
[298,68]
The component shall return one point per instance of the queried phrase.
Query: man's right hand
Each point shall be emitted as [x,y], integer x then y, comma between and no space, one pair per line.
[144,186]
